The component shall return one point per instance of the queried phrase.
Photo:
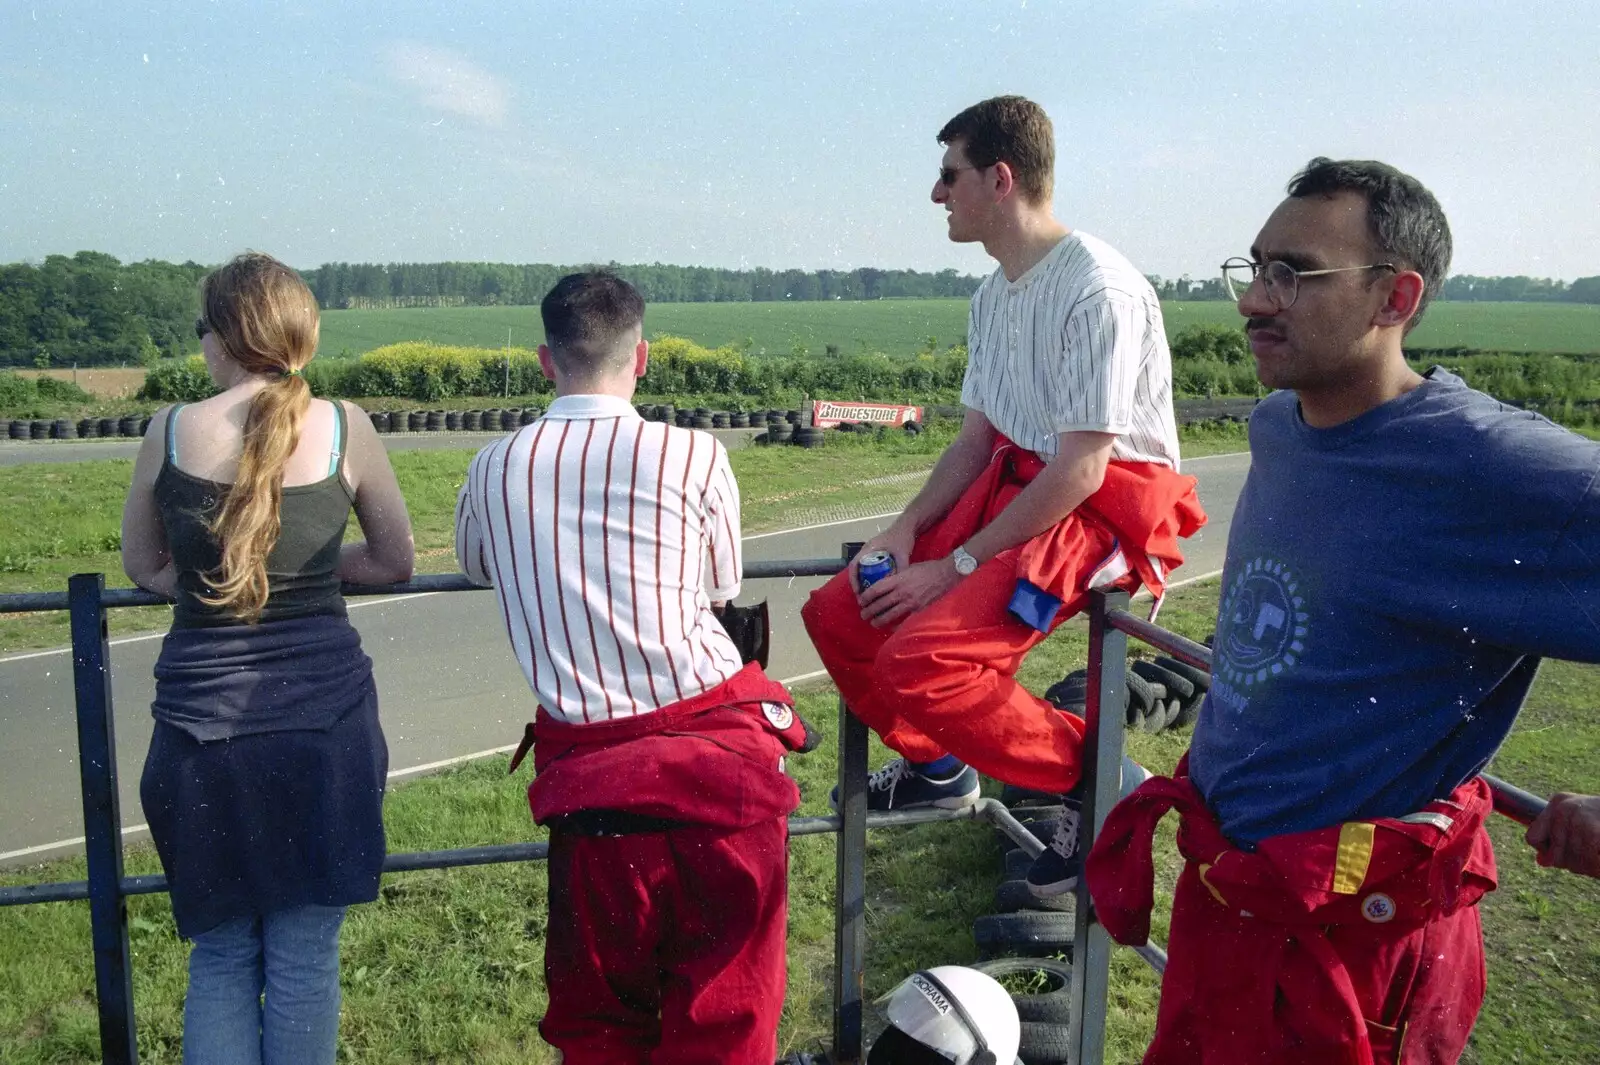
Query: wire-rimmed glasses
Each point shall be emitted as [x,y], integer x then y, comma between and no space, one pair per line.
[1282,281]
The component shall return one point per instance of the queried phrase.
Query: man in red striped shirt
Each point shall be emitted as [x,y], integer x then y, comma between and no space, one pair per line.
[659,755]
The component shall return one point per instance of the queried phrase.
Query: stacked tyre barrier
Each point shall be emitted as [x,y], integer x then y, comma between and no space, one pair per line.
[1027,942]
[131,426]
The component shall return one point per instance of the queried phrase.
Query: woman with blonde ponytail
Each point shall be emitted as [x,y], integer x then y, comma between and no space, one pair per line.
[264,782]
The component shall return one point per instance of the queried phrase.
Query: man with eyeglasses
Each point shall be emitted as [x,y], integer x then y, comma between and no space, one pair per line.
[1404,551]
[1063,478]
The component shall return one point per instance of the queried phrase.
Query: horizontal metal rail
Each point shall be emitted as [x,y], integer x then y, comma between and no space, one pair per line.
[27,602]
[990,810]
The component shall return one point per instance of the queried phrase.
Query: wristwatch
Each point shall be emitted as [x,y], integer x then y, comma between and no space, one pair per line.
[966,565]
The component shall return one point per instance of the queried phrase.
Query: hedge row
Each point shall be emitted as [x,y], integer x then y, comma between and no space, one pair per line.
[432,372]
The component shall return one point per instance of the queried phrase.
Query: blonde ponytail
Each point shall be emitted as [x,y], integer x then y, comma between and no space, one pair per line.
[266,320]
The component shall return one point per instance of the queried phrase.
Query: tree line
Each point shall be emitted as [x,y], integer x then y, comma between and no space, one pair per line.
[365,285]
[91,309]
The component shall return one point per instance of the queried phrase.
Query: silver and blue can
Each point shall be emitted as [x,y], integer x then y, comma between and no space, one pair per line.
[875,566]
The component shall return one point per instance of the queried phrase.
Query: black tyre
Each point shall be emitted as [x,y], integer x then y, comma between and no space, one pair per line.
[88,429]
[379,420]
[490,422]
[738,420]
[1199,678]
[144,425]
[434,421]
[808,437]
[1178,686]
[108,427]
[455,420]
[1017,863]
[1143,703]
[39,429]
[912,428]
[128,425]
[720,420]
[531,415]
[472,421]
[1045,1044]
[1070,693]
[62,429]
[416,421]
[1049,1006]
[1014,895]
[509,419]
[1027,933]
[666,412]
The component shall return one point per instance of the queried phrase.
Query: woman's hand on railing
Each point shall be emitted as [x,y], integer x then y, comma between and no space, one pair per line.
[1567,834]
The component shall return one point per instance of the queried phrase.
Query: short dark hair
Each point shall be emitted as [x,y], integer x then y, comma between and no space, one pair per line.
[587,316]
[1012,130]
[1406,221]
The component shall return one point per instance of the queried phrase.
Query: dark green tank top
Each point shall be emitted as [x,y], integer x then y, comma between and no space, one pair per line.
[300,568]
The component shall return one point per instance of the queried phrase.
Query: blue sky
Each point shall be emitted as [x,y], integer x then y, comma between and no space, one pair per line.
[771,135]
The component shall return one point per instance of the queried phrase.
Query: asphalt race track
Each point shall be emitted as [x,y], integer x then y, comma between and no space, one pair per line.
[448,686]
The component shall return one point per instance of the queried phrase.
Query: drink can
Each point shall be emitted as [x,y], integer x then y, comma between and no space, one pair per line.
[875,566]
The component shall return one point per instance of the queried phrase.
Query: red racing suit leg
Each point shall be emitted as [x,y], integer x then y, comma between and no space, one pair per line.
[667,947]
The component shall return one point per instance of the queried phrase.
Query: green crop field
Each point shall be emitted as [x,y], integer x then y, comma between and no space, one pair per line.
[902,326]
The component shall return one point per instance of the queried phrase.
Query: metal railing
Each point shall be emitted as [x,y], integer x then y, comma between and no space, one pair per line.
[107,888]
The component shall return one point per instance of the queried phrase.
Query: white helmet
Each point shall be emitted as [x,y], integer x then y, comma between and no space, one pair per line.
[959,1014]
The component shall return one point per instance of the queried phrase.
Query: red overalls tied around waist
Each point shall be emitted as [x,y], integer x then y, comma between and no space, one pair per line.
[943,680]
[668,946]
[1357,944]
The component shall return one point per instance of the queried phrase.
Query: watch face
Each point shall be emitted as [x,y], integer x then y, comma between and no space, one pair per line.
[966,565]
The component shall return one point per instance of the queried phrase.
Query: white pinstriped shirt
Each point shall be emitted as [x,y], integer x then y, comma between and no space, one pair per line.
[1076,343]
[596,529]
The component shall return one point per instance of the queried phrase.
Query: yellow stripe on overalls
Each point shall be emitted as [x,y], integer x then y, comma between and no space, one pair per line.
[1355,854]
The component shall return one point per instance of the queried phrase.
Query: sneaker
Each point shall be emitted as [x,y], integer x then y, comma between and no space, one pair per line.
[1056,871]
[899,787]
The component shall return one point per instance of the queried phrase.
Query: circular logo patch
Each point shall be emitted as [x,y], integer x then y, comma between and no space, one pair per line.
[1262,626]
[781,716]
[1378,908]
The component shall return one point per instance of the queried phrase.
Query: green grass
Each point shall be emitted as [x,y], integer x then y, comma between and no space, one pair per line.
[446,966]
[901,326]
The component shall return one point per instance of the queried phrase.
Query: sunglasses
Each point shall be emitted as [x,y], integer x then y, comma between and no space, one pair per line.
[201,328]
[947,174]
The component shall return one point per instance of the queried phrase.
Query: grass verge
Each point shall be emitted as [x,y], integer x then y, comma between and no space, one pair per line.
[446,966]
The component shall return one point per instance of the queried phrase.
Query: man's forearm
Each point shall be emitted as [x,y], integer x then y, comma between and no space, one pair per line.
[952,475]
[1048,498]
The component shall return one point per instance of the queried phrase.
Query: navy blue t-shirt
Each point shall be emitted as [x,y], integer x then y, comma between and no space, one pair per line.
[1390,585]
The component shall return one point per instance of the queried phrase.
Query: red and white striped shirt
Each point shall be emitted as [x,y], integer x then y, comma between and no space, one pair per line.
[595,528]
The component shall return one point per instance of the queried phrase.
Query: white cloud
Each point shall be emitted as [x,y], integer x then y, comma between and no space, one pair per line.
[444,80]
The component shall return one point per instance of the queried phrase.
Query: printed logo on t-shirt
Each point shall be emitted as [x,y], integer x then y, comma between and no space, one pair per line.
[1261,626]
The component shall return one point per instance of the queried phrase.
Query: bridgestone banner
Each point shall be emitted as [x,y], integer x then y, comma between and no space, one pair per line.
[827,413]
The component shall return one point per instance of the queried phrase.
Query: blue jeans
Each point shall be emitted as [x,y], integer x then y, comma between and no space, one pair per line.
[290,956]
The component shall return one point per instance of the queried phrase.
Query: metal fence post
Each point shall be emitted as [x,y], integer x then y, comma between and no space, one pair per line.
[1102,786]
[850,884]
[102,819]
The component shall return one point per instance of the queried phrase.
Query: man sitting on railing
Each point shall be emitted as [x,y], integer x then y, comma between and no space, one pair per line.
[659,753]
[1403,552]
[1063,478]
